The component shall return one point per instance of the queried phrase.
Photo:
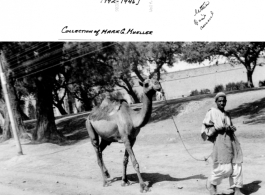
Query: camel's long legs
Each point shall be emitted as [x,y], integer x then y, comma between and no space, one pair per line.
[102,146]
[128,146]
[125,181]
[98,149]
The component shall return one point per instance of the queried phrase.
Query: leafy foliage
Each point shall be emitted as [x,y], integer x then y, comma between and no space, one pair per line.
[244,53]
[261,83]
[89,72]
[236,86]
[196,92]
[218,88]
[205,91]
[156,54]
[143,59]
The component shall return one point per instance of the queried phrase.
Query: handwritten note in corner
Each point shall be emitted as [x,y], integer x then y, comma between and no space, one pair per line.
[203,15]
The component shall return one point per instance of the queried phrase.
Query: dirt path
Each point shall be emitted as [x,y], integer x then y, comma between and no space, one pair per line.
[48,169]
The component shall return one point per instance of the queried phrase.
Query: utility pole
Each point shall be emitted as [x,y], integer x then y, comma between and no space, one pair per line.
[8,105]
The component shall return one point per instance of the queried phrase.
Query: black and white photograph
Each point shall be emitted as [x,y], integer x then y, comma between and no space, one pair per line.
[132,97]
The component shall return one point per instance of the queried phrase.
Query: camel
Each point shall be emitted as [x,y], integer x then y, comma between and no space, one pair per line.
[115,121]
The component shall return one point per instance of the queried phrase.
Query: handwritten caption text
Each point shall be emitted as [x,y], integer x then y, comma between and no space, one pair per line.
[202,16]
[105,31]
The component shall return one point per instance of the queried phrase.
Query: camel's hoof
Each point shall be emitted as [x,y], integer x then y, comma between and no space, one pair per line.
[144,188]
[107,183]
[125,183]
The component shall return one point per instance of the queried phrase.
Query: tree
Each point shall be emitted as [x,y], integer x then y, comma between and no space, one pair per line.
[137,58]
[14,101]
[90,70]
[61,84]
[37,65]
[60,87]
[122,65]
[45,129]
[244,53]
[31,110]
[6,131]
[21,92]
[158,55]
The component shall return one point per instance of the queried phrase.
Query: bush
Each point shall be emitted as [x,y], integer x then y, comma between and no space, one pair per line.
[261,83]
[218,88]
[205,91]
[230,87]
[236,86]
[194,92]
[242,85]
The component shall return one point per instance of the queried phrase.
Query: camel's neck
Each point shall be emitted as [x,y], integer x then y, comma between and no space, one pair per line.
[146,111]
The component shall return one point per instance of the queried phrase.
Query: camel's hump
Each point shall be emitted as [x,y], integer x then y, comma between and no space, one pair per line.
[107,108]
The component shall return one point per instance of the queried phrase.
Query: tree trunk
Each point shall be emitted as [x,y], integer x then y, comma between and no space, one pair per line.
[20,111]
[14,106]
[7,126]
[10,84]
[134,96]
[60,108]
[249,77]
[58,102]
[157,72]
[16,109]
[87,103]
[45,129]
[158,75]
[23,115]
[130,91]
[87,106]
[70,101]
[136,71]
[7,129]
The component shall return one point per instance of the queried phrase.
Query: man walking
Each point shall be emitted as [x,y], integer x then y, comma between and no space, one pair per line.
[227,154]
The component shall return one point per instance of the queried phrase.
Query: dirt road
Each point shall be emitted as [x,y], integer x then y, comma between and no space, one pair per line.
[49,169]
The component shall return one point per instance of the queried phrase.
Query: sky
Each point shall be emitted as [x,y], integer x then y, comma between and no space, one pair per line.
[184,65]
[181,65]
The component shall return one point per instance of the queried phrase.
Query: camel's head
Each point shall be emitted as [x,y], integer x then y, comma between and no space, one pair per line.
[150,86]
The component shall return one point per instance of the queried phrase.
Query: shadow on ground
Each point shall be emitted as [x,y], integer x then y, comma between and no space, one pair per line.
[251,187]
[165,111]
[247,189]
[73,129]
[254,111]
[153,178]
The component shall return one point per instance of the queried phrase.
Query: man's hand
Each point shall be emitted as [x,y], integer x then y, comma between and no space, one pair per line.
[233,128]
[230,128]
